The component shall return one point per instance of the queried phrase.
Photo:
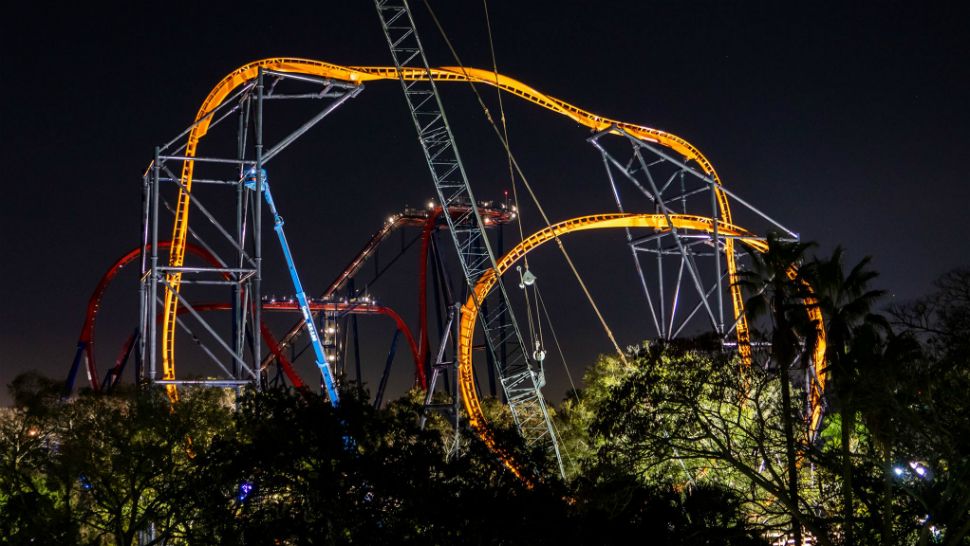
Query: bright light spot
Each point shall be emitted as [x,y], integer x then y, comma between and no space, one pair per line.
[919,469]
[245,488]
[898,470]
[331,330]
[430,204]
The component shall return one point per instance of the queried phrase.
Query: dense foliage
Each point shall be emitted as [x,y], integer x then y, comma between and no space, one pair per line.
[890,463]
[281,468]
[679,444]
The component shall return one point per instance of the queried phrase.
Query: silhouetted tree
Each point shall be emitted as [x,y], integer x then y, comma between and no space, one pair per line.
[776,285]
[934,428]
[845,301]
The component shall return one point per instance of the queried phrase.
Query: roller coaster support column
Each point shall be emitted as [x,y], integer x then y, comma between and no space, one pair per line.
[260,186]
[257,179]
[152,294]
[449,369]
[520,377]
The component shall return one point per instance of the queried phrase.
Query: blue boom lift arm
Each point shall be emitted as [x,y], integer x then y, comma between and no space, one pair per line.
[328,380]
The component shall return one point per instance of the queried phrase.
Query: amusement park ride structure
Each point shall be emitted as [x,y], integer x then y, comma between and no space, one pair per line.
[671,204]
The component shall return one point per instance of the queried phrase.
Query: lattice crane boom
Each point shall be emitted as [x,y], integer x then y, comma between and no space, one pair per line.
[520,377]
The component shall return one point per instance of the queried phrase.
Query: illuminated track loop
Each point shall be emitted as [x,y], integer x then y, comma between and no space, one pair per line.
[469,312]
[358,75]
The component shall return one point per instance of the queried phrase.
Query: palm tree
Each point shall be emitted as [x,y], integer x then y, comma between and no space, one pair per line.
[846,302]
[777,289]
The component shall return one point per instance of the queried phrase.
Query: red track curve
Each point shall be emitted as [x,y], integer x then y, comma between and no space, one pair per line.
[353,308]
[86,339]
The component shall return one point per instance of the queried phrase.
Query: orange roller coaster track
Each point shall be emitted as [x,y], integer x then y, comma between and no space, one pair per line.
[358,75]
[658,222]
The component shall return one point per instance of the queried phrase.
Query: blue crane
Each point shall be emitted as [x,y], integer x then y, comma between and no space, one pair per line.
[321,359]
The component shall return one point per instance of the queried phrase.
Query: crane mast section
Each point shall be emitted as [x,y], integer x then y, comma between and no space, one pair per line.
[520,381]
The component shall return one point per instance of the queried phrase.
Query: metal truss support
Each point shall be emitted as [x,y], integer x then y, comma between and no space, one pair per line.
[382,386]
[693,266]
[519,376]
[637,171]
[234,229]
[444,372]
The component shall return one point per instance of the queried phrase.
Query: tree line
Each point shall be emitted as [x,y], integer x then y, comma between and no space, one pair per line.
[682,444]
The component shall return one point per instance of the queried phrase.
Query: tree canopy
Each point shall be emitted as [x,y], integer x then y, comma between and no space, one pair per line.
[681,444]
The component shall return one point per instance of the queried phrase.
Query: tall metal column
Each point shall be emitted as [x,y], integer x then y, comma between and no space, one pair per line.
[239,310]
[255,288]
[444,372]
[143,292]
[152,299]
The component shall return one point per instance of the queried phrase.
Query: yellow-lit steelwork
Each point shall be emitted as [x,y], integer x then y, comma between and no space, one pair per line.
[358,75]
[659,222]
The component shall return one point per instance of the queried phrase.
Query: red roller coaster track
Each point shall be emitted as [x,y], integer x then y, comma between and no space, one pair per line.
[428,221]
[86,340]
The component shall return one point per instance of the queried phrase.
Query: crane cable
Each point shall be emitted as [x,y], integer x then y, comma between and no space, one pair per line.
[528,187]
[505,130]
[555,338]
[517,210]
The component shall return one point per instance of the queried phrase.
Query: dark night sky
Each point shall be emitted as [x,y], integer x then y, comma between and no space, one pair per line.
[848,124]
